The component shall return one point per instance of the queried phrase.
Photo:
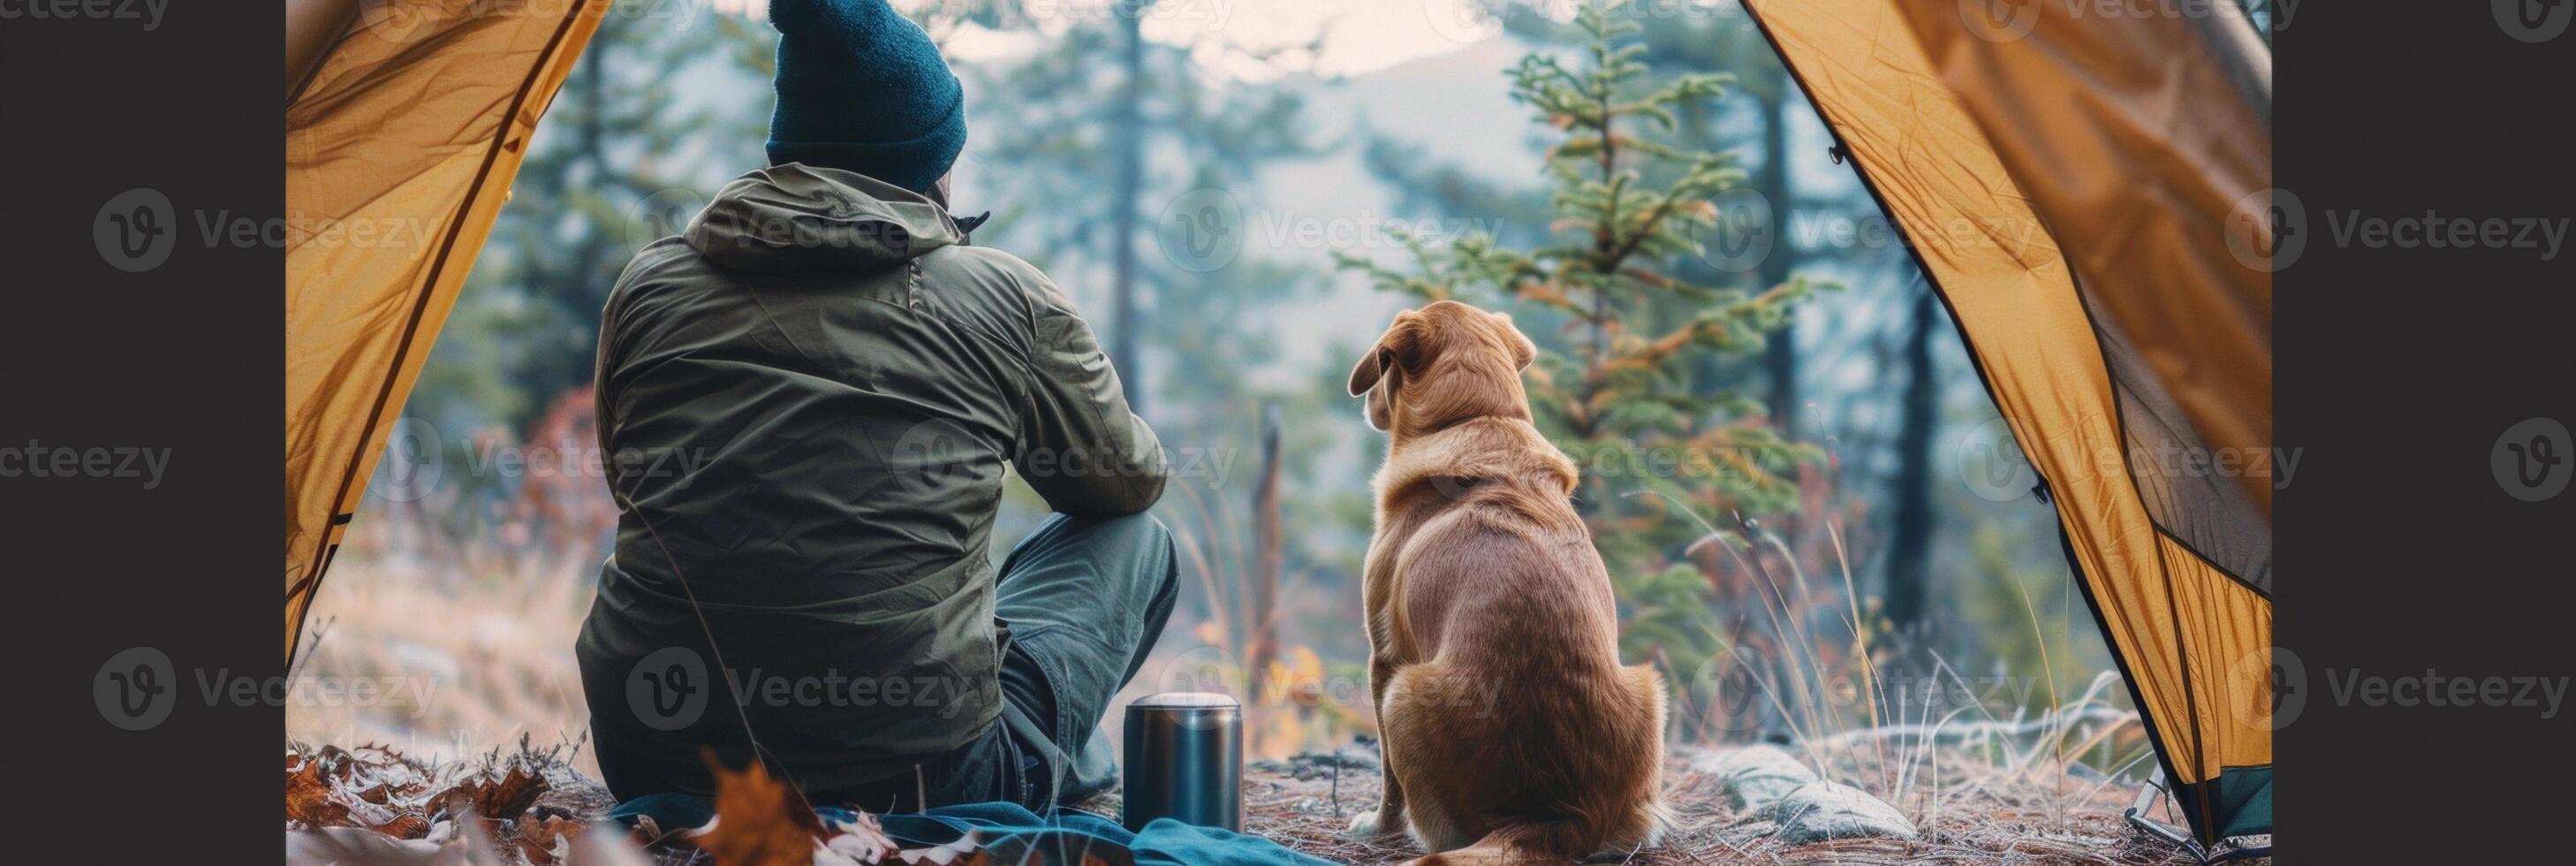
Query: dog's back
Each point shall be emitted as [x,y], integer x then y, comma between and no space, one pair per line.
[1522,737]
[1511,732]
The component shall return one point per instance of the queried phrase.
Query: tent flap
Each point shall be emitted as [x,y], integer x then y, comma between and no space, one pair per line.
[401,143]
[2066,181]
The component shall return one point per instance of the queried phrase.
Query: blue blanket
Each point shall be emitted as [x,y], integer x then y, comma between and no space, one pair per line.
[1015,835]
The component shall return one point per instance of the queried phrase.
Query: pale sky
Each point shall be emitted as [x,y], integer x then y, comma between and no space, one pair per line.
[1363,35]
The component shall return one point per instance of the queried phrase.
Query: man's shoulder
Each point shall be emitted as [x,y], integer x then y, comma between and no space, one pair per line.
[659,266]
[988,291]
[984,263]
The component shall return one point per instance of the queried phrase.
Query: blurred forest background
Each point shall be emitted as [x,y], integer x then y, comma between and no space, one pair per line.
[1815,520]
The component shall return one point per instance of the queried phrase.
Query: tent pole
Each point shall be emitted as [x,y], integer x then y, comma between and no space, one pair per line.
[2228,849]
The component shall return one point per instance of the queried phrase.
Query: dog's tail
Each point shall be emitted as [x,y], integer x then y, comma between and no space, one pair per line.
[1527,844]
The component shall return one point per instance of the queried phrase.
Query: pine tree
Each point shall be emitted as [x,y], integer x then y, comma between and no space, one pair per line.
[1612,386]
[1097,133]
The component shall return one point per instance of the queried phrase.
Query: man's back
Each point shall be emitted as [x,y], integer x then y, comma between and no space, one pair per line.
[807,401]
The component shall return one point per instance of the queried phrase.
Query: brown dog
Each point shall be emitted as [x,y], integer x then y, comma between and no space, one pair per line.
[1511,732]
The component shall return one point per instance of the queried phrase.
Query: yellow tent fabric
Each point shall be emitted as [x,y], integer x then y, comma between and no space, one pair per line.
[402,136]
[2066,180]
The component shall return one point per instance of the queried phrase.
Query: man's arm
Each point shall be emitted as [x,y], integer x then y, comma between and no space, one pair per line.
[1080,446]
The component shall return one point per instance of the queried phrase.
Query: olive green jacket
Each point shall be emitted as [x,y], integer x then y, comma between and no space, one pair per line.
[805,404]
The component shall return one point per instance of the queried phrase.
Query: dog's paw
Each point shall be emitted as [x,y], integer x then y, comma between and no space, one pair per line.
[1366,825]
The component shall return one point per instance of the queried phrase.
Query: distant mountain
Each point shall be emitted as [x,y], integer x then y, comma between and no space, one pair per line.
[1456,107]
[1450,109]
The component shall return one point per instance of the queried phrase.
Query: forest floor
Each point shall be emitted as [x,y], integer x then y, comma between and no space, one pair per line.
[1303,803]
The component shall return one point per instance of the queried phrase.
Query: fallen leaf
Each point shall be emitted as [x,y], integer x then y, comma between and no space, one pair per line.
[308,797]
[547,842]
[506,797]
[646,833]
[758,822]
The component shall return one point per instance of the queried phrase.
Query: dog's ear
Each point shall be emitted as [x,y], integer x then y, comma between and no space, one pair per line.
[1397,347]
[1379,409]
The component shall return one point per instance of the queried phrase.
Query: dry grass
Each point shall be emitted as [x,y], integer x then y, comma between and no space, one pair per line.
[491,659]
[1995,817]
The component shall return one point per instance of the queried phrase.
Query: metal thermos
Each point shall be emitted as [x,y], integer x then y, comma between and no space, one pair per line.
[1184,760]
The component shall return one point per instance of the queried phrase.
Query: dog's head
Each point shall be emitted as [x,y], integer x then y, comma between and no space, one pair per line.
[1444,363]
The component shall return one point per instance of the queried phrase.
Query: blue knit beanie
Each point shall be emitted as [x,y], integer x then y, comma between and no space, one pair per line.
[861,88]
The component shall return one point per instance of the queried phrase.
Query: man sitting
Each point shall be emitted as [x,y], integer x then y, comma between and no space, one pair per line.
[810,394]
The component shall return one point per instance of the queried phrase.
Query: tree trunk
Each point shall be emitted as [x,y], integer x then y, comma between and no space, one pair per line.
[1910,546]
[1261,644]
[1780,350]
[1130,186]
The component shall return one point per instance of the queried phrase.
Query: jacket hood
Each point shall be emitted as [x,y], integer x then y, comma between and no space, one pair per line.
[797,217]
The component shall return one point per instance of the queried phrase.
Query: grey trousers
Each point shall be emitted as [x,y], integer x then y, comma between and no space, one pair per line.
[1083,600]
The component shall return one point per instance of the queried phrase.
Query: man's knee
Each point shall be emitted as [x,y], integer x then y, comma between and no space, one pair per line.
[1141,527]
[1145,551]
